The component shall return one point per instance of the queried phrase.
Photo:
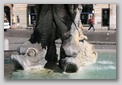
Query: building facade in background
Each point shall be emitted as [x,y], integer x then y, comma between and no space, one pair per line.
[104,14]
[25,12]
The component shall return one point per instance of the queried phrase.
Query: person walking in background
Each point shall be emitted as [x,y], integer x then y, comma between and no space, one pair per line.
[13,22]
[18,21]
[91,23]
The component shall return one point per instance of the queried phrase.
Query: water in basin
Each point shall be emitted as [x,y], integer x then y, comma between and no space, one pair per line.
[104,68]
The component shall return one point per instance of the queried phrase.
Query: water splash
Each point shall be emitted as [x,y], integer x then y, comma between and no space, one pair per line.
[105,62]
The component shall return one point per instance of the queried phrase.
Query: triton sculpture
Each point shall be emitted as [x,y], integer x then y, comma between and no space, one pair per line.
[56,21]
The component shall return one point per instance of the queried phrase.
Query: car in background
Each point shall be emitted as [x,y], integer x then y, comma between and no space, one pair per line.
[6,25]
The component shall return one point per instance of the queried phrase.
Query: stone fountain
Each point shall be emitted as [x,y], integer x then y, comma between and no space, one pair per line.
[59,21]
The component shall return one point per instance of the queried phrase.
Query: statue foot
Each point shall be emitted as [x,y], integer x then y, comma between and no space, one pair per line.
[53,66]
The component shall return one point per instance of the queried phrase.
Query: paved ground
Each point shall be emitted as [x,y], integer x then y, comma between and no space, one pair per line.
[101,39]
[99,35]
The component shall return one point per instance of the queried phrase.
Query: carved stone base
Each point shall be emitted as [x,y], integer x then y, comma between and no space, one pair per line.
[31,56]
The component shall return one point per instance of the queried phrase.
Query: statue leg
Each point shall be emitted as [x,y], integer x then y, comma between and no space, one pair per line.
[51,55]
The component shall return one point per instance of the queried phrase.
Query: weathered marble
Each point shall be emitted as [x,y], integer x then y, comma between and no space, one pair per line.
[30,56]
[40,50]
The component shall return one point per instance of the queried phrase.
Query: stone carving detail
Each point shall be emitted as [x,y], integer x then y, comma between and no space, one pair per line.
[75,51]
[30,56]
